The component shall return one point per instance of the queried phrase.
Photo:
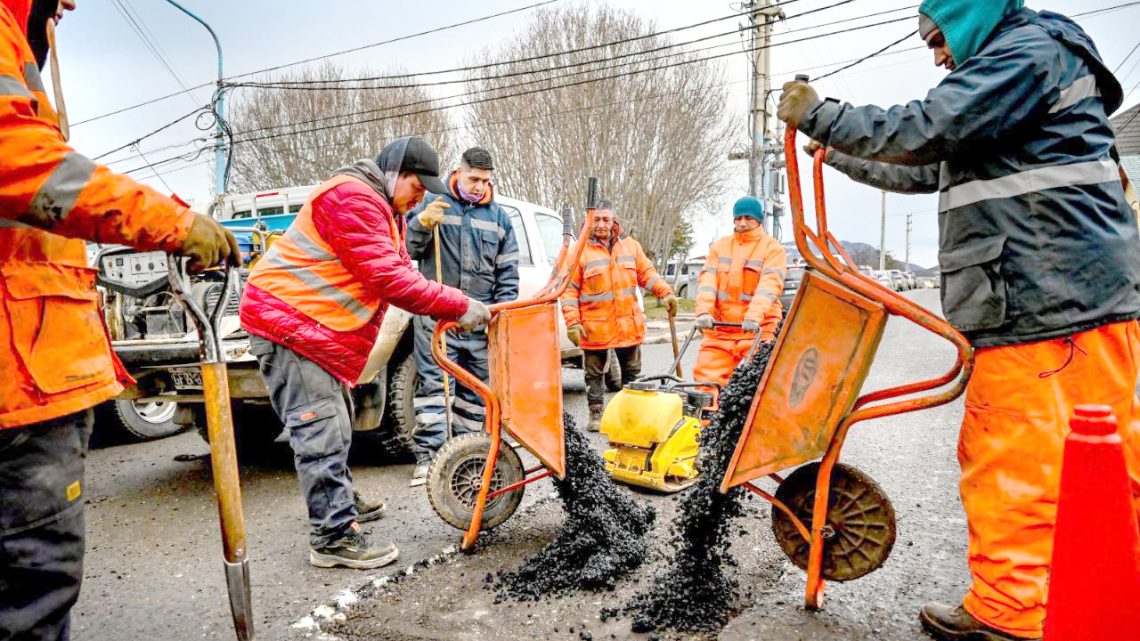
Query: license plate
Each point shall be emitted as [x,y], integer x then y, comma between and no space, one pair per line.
[187,379]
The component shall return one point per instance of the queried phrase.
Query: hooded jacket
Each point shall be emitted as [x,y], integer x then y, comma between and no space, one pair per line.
[1036,238]
[56,356]
[602,293]
[354,220]
[478,247]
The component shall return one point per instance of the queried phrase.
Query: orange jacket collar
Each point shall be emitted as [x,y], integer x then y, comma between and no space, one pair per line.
[454,179]
[752,235]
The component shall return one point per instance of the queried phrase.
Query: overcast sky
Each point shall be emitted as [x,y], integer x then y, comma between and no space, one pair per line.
[106,66]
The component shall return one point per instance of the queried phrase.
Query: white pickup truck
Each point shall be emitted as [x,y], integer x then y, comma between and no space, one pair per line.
[150,334]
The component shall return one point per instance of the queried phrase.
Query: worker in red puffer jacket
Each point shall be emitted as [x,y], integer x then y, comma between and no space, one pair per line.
[314,304]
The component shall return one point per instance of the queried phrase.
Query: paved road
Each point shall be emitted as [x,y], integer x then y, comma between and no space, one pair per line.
[153,567]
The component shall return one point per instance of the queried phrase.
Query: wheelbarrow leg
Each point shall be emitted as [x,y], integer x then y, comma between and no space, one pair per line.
[813,600]
[472,533]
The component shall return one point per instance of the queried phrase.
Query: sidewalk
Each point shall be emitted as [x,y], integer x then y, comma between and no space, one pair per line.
[657,331]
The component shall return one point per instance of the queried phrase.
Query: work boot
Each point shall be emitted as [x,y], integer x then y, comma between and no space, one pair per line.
[947,623]
[420,473]
[367,511]
[353,551]
[595,423]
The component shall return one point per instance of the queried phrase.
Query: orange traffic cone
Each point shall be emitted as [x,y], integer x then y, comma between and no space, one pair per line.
[1094,584]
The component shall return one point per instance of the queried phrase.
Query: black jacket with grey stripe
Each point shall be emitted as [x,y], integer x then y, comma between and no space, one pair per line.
[1036,238]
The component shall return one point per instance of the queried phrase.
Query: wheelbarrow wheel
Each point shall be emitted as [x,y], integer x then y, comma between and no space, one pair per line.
[456,475]
[860,529]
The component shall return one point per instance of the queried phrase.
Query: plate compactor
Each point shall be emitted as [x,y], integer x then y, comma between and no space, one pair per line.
[654,427]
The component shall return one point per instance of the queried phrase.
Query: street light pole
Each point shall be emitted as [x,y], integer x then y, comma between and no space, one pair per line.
[219,108]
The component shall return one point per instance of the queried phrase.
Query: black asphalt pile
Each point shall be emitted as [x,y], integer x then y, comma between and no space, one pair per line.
[694,593]
[602,539]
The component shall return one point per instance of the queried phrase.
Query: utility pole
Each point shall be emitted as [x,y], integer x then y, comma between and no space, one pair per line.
[906,265]
[219,109]
[883,235]
[761,14]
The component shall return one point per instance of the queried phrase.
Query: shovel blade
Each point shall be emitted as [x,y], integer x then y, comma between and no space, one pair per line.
[241,606]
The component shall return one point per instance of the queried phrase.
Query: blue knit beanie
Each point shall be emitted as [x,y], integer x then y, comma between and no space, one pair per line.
[967,24]
[748,206]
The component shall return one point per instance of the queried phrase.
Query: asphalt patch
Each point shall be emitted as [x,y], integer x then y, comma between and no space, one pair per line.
[695,593]
[602,538]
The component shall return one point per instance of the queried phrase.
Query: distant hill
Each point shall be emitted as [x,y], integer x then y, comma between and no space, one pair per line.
[865,254]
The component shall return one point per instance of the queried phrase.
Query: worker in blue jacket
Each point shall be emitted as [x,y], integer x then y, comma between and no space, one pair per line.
[479,254]
[1040,261]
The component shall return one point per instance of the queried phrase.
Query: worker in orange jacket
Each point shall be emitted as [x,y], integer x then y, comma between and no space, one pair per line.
[740,286]
[601,309]
[56,361]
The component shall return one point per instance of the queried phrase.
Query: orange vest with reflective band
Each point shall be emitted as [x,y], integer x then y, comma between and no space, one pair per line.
[302,270]
[743,279]
[602,294]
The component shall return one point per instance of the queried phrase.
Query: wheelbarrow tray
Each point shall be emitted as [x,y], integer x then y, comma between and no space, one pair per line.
[526,376]
[812,380]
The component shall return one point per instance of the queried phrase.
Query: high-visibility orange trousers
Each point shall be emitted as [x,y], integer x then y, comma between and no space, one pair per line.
[1018,406]
[722,350]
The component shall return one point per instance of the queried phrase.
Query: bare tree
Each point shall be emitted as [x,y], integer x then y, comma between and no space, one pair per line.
[289,135]
[656,134]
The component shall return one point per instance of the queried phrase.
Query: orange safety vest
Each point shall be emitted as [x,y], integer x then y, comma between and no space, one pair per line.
[302,270]
[55,355]
[743,278]
[602,294]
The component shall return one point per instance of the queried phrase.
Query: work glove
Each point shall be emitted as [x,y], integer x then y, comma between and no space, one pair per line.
[476,315]
[209,244]
[670,303]
[796,99]
[705,321]
[576,333]
[432,215]
[812,147]
[750,327]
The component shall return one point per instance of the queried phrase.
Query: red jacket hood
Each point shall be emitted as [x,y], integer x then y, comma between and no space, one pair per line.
[20,10]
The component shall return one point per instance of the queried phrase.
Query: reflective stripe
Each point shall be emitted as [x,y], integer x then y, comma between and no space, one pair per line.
[32,77]
[10,86]
[430,418]
[306,244]
[512,257]
[766,294]
[468,406]
[943,176]
[722,296]
[708,270]
[628,291]
[745,297]
[1081,89]
[594,298]
[453,220]
[471,424]
[705,289]
[600,262]
[573,302]
[58,194]
[724,260]
[427,401]
[1031,181]
[323,287]
[627,259]
[778,272]
[487,225]
[12,224]
[652,282]
[754,263]
[574,285]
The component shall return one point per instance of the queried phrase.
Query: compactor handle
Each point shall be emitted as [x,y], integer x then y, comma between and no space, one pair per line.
[209,326]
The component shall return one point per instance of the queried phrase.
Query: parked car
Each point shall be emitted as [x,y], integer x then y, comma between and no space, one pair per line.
[898,281]
[686,285]
[884,278]
[151,334]
[792,281]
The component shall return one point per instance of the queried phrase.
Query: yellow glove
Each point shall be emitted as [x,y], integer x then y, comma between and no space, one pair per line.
[432,215]
[209,244]
[576,333]
[797,97]
[670,303]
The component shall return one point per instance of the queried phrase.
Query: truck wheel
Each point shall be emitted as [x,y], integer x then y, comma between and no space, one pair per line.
[613,374]
[400,411]
[145,421]
[457,474]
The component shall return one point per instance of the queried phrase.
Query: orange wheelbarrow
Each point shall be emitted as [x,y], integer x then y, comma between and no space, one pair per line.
[475,483]
[830,519]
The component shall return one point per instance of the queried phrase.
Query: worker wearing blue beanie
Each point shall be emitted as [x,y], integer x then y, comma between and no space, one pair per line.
[750,207]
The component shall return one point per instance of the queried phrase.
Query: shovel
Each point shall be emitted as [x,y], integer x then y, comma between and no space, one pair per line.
[223,450]
[442,337]
[676,350]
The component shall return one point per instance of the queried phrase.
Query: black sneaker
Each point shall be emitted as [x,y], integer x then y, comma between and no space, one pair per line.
[353,551]
[948,623]
[367,511]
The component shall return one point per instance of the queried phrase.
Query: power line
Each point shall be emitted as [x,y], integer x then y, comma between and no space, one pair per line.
[375,44]
[151,45]
[136,141]
[869,56]
[1114,71]
[539,90]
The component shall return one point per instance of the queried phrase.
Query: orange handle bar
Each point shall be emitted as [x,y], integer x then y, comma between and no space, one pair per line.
[823,241]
